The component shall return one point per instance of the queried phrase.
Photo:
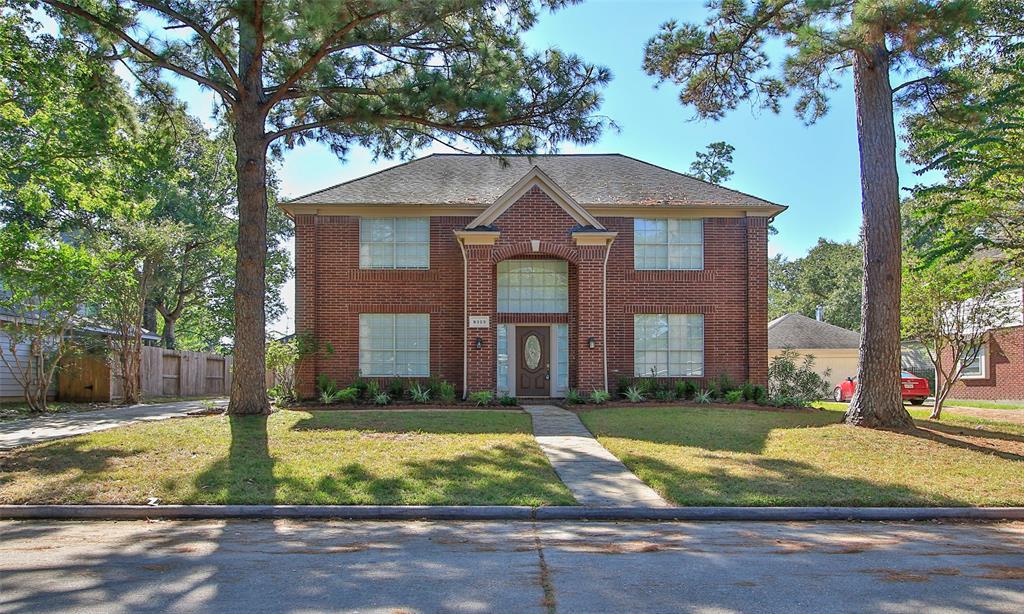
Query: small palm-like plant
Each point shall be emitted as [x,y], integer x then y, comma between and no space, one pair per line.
[574,397]
[633,395]
[419,394]
[481,397]
[599,397]
[328,396]
[703,397]
[381,398]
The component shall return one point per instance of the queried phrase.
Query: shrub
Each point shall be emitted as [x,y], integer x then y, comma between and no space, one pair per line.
[328,396]
[325,384]
[623,385]
[381,398]
[280,395]
[574,397]
[725,384]
[347,395]
[507,400]
[396,388]
[372,389]
[703,397]
[599,397]
[360,385]
[634,395]
[647,385]
[481,397]
[760,395]
[419,394]
[664,395]
[799,383]
[685,389]
[748,391]
[734,396]
[444,392]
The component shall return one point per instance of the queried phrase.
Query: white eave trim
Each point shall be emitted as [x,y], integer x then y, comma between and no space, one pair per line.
[536,177]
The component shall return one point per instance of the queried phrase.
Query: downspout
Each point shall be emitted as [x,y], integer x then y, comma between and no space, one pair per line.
[604,308]
[465,318]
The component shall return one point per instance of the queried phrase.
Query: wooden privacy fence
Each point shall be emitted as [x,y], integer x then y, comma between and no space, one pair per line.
[162,373]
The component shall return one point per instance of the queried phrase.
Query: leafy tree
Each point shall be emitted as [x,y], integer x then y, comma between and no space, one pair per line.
[65,122]
[972,131]
[829,275]
[391,75]
[44,283]
[724,62]
[132,251]
[712,164]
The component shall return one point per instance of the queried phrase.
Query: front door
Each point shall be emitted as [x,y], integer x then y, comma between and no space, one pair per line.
[533,366]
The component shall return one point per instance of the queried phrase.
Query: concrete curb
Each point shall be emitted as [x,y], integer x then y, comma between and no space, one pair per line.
[497,512]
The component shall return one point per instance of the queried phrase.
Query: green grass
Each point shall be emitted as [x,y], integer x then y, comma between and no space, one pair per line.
[984,404]
[696,456]
[387,457]
[949,417]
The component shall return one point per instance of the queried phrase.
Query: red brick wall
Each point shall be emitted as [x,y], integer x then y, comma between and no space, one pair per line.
[1005,379]
[331,292]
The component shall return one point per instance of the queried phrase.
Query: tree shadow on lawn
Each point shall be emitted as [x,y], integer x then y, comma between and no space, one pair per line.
[1007,446]
[246,475]
[83,462]
[771,481]
[468,422]
[513,473]
[732,430]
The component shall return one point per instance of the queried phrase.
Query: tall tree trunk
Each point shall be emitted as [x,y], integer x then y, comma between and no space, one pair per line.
[248,384]
[149,316]
[168,339]
[877,401]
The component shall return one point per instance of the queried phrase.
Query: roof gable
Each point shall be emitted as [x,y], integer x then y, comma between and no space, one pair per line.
[536,178]
[795,330]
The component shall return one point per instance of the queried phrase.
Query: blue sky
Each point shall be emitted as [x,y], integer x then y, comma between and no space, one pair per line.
[813,169]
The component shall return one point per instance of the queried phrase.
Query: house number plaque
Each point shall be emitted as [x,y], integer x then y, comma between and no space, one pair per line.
[479,321]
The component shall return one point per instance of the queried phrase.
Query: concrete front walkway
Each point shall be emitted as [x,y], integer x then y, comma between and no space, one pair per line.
[16,433]
[594,476]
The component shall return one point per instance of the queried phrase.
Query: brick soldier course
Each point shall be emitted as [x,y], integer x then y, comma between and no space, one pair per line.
[577,208]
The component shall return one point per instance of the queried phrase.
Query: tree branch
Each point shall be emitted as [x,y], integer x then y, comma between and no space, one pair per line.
[226,91]
[163,7]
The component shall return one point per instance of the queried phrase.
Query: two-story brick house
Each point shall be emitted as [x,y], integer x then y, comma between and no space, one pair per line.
[532,275]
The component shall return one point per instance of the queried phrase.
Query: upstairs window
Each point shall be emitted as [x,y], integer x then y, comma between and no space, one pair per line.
[394,344]
[533,286]
[394,243]
[668,245]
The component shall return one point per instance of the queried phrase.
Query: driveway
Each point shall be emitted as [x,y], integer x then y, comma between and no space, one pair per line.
[14,433]
[294,566]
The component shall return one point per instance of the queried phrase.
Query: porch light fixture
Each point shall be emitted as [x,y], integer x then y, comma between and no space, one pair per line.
[478,342]
[591,342]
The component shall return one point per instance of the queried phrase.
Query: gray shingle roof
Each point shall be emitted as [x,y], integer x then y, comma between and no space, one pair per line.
[591,179]
[798,331]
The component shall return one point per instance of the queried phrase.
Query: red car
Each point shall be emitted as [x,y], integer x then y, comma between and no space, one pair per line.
[915,389]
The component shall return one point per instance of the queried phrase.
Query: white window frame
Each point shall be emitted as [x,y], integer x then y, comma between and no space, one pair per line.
[505,291]
[982,357]
[668,349]
[396,347]
[366,245]
[639,263]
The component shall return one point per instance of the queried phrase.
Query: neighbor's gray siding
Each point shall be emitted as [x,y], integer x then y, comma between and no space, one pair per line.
[10,389]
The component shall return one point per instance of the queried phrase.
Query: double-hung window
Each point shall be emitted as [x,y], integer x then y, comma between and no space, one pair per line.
[976,364]
[668,345]
[393,344]
[394,243]
[668,244]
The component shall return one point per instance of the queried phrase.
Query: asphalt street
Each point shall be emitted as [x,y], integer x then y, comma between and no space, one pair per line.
[404,567]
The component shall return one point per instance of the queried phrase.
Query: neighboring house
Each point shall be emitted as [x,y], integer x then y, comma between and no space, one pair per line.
[997,372]
[532,275]
[834,348]
[11,389]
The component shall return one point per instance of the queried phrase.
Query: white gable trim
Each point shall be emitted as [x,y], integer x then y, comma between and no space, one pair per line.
[539,178]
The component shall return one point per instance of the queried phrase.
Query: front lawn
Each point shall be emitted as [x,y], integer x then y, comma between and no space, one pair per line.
[984,404]
[386,457]
[700,456]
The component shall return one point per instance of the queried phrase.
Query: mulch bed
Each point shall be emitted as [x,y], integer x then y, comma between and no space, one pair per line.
[687,404]
[313,406]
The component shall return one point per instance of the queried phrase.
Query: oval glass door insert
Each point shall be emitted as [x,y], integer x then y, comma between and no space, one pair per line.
[531,351]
